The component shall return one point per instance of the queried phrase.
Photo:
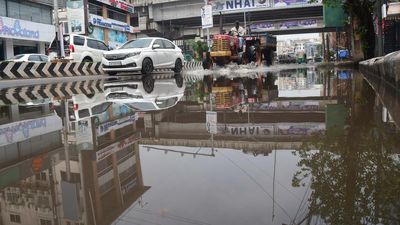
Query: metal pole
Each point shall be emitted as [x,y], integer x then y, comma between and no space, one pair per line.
[208,32]
[245,25]
[60,51]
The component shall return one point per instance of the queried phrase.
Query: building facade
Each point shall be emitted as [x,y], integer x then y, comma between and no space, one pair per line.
[25,27]
[114,22]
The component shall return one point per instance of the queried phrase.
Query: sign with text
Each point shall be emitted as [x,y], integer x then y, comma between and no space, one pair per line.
[229,5]
[22,130]
[109,23]
[76,17]
[26,30]
[211,122]
[120,4]
[207,17]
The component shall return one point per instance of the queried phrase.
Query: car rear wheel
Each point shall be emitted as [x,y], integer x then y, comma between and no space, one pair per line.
[178,66]
[148,83]
[147,66]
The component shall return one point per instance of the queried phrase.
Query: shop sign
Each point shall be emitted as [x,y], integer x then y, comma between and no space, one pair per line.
[298,24]
[76,17]
[206,17]
[23,130]
[109,23]
[119,4]
[118,146]
[229,5]
[26,30]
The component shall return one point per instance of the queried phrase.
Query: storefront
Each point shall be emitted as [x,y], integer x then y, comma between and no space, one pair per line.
[20,36]
[113,32]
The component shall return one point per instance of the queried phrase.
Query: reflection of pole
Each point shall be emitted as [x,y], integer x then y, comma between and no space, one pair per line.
[66,144]
[248,113]
[244,17]
[212,135]
[273,188]
[83,183]
[92,205]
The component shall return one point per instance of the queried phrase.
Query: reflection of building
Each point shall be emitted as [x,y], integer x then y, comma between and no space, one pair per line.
[91,186]
[27,130]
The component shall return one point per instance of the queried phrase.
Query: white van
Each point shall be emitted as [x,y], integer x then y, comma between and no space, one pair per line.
[79,48]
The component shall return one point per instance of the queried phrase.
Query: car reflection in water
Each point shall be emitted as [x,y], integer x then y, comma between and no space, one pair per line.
[147,94]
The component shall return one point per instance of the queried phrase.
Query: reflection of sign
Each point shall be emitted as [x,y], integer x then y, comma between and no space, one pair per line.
[25,30]
[206,17]
[84,134]
[116,124]
[22,130]
[128,186]
[109,23]
[107,151]
[119,4]
[211,122]
[301,129]
[250,130]
[76,17]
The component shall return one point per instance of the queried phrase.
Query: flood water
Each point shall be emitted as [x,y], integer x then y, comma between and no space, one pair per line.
[298,146]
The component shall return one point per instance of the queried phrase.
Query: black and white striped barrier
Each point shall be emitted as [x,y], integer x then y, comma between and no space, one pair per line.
[31,70]
[37,93]
[192,65]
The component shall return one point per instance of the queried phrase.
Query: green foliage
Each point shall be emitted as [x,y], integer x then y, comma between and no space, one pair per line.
[199,47]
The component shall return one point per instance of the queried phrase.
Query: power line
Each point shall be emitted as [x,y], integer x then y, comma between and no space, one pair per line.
[258,184]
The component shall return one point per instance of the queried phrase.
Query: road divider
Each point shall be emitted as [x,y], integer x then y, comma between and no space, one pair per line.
[33,70]
[386,68]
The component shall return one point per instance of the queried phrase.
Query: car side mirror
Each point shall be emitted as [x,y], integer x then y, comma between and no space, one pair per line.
[155,46]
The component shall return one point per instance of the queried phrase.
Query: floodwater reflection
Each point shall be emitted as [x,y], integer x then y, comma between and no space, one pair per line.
[301,146]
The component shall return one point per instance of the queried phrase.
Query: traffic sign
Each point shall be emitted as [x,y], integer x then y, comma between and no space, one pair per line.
[211,122]
[206,17]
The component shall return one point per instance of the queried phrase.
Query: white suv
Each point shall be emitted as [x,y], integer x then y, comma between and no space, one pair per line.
[80,48]
[145,55]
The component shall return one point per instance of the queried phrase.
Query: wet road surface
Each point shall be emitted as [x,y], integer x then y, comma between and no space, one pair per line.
[295,146]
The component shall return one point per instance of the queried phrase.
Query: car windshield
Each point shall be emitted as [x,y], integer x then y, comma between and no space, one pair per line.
[139,43]
[17,57]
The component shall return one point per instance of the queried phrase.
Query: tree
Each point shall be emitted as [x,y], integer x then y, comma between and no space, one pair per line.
[355,178]
[362,12]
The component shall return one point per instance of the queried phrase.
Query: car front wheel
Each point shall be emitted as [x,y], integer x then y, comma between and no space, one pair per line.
[178,66]
[147,66]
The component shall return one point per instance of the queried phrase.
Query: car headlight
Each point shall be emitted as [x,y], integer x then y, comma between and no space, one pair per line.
[132,54]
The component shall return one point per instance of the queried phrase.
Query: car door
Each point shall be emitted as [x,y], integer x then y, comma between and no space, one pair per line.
[170,54]
[94,49]
[158,55]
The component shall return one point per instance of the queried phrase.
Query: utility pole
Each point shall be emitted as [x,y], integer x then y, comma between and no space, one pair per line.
[208,31]
[59,36]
